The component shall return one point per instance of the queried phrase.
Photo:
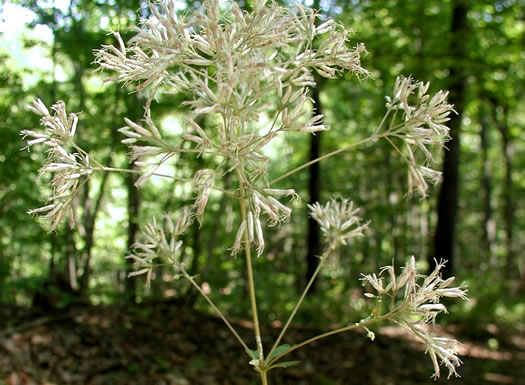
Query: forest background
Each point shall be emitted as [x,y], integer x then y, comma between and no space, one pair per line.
[474,219]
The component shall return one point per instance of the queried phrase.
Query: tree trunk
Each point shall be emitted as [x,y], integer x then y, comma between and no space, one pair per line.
[445,236]
[90,216]
[314,189]
[489,225]
[501,119]
[92,208]
[133,228]
[314,185]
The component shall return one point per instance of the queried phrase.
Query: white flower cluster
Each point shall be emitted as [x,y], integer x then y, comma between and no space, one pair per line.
[152,145]
[262,201]
[161,243]
[237,66]
[422,125]
[69,169]
[234,67]
[415,303]
[338,220]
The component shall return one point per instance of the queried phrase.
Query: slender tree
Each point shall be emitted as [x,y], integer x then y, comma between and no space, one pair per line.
[314,186]
[314,189]
[445,236]
[502,123]
[489,231]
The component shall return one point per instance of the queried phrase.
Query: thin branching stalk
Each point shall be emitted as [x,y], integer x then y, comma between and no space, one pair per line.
[138,172]
[362,323]
[322,259]
[251,284]
[328,155]
[216,309]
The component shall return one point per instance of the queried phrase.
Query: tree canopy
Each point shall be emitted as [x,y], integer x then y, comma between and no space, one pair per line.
[474,49]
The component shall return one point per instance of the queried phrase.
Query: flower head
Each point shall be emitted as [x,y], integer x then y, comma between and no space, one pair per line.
[415,303]
[59,127]
[236,66]
[69,165]
[421,126]
[160,244]
[338,220]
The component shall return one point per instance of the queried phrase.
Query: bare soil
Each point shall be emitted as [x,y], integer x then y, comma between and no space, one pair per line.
[170,344]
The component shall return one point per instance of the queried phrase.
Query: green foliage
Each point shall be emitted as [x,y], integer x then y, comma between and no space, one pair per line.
[402,37]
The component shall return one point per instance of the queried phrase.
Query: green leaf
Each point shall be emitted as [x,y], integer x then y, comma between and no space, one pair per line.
[254,354]
[278,351]
[285,364]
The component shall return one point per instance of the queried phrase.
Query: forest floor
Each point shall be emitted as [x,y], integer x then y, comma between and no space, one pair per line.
[170,344]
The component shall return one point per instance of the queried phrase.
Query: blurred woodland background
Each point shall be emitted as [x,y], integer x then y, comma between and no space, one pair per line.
[475,219]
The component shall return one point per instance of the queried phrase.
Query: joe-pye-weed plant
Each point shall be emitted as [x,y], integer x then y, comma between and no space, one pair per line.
[249,74]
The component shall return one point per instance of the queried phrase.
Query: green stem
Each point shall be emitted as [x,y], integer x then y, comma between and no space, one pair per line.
[303,295]
[131,171]
[216,309]
[251,285]
[382,122]
[330,154]
[264,379]
[363,323]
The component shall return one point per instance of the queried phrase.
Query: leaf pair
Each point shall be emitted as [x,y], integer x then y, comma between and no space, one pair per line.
[279,351]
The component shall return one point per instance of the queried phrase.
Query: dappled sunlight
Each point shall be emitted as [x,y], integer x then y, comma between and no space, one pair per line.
[468,348]
[169,240]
